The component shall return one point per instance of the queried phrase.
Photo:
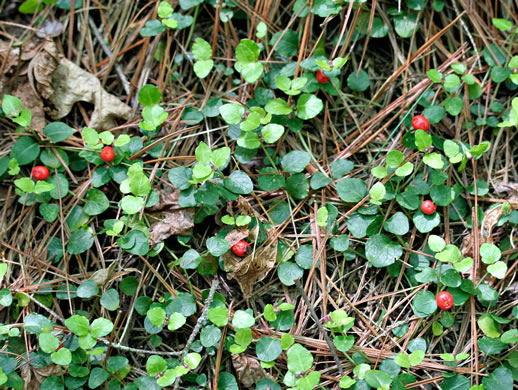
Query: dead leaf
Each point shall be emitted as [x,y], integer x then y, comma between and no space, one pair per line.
[255,267]
[33,377]
[170,218]
[248,369]
[489,221]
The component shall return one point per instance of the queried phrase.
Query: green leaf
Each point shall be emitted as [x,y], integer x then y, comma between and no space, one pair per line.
[201,50]
[60,183]
[397,224]
[322,215]
[269,179]
[131,204]
[502,24]
[134,242]
[58,131]
[436,243]
[247,51]
[295,161]
[220,157]
[297,186]
[11,105]
[351,189]
[299,359]
[394,158]
[277,107]
[377,192]
[272,132]
[433,160]
[288,272]
[426,223]
[25,150]
[405,24]
[377,379]
[242,319]
[87,289]
[78,325]
[488,326]
[499,379]
[202,68]
[268,349]
[358,82]
[191,259]
[232,113]
[424,304]
[490,253]
[48,342]
[96,202]
[456,382]
[286,42]
[434,75]
[97,377]
[498,269]
[148,95]
[101,327]
[25,184]
[319,180]
[341,167]
[239,183]
[80,241]
[63,357]
[340,243]
[218,315]
[151,28]
[308,106]
[423,140]
[110,300]
[217,246]
[381,251]
[453,105]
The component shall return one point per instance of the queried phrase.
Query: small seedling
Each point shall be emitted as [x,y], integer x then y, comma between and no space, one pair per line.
[428,207]
[241,248]
[40,172]
[444,300]
[420,122]
[108,154]
[321,77]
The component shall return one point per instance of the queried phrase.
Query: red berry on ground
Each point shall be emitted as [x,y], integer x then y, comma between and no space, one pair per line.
[321,77]
[241,248]
[39,172]
[108,154]
[428,207]
[444,300]
[420,122]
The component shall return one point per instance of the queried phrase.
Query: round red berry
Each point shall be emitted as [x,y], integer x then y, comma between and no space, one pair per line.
[241,248]
[444,300]
[420,122]
[108,154]
[321,77]
[428,207]
[39,172]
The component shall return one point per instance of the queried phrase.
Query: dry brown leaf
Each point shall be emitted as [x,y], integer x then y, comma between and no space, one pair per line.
[248,369]
[489,221]
[71,84]
[255,267]
[33,377]
[170,218]
[44,75]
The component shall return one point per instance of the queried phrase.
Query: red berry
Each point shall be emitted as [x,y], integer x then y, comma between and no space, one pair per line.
[444,300]
[241,248]
[428,207]
[420,122]
[321,77]
[39,172]
[108,154]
